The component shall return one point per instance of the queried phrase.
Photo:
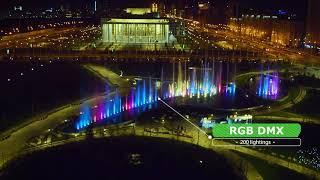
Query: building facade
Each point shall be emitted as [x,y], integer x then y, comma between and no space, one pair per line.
[287,33]
[254,26]
[313,24]
[283,32]
[135,31]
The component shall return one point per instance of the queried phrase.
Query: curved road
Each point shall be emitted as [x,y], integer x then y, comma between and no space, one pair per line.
[11,146]
[15,144]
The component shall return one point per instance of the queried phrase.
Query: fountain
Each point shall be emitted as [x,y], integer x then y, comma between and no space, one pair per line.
[187,83]
[268,86]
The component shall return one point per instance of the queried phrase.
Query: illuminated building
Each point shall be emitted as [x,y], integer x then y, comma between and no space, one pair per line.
[287,33]
[135,31]
[313,24]
[138,11]
[255,26]
[203,12]
[154,8]
[270,28]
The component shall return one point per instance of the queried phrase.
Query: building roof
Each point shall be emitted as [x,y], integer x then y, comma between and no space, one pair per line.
[135,21]
[138,11]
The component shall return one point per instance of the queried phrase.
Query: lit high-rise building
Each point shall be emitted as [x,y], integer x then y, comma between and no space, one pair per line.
[313,23]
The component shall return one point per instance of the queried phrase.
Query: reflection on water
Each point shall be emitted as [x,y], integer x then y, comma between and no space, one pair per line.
[195,85]
[145,93]
[199,82]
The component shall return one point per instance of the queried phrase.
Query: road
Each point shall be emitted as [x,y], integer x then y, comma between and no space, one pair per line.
[108,76]
[193,136]
[210,34]
[281,104]
[59,38]
[15,144]
[17,140]
[55,54]
[286,119]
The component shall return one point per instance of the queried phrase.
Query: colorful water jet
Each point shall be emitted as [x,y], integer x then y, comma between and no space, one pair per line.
[188,83]
[143,94]
[197,82]
[268,87]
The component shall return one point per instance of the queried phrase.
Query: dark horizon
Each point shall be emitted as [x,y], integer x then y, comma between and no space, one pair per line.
[264,4]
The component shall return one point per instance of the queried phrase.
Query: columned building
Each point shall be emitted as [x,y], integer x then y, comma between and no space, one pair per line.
[135,31]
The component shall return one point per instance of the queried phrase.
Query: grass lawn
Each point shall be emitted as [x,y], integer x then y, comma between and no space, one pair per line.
[37,87]
[309,106]
[271,171]
[282,114]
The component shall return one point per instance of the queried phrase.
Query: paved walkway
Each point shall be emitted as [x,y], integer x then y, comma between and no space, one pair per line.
[293,119]
[15,144]
[191,136]
[16,138]
[241,165]
[107,75]
[11,146]
[215,144]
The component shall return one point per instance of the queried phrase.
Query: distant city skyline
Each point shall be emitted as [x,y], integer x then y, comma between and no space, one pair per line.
[7,4]
[297,6]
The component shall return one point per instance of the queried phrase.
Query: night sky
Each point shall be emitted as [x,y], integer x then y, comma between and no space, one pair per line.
[295,5]
[72,3]
[54,3]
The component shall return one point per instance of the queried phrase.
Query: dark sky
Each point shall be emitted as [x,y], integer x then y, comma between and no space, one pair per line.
[290,4]
[72,3]
[5,5]
[48,3]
